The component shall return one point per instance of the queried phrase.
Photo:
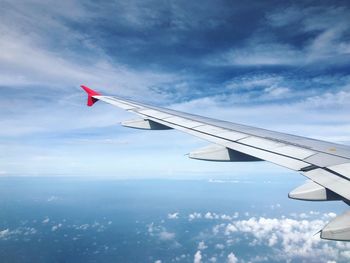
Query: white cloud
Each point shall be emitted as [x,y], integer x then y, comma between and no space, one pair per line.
[330,99]
[284,17]
[277,92]
[17,233]
[173,216]
[165,235]
[55,65]
[52,198]
[161,233]
[208,215]
[194,215]
[4,233]
[294,238]
[230,228]
[46,220]
[227,217]
[83,227]
[202,245]
[273,240]
[328,46]
[284,238]
[331,214]
[231,258]
[197,257]
[264,54]
[224,181]
[219,246]
[56,227]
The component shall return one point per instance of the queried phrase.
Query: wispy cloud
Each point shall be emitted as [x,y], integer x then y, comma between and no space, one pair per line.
[323,30]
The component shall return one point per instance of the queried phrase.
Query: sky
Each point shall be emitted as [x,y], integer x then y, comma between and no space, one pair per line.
[280,65]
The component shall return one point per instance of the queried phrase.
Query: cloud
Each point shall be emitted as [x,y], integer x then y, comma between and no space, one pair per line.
[219,246]
[173,216]
[17,233]
[65,64]
[4,233]
[264,54]
[46,220]
[52,198]
[212,216]
[161,232]
[194,215]
[292,237]
[281,239]
[197,257]
[165,235]
[231,258]
[208,215]
[56,227]
[202,245]
[329,44]
[284,17]
[83,227]
[273,240]
[62,72]
[224,181]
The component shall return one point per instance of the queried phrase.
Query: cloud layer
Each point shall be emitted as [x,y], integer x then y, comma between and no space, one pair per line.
[235,238]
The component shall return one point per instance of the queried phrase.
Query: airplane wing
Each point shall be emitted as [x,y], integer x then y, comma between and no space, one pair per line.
[326,164]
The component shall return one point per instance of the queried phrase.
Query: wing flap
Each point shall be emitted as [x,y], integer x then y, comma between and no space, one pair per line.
[297,152]
[144,124]
[343,169]
[325,160]
[338,228]
[332,181]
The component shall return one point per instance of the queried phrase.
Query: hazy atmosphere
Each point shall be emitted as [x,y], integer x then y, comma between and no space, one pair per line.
[279,65]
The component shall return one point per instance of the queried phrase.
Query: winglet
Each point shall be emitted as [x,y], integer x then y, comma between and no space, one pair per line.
[91,100]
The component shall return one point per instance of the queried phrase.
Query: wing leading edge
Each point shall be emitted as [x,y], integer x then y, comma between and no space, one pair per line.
[326,164]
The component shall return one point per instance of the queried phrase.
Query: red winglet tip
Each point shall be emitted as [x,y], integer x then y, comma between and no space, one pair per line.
[90,91]
[91,100]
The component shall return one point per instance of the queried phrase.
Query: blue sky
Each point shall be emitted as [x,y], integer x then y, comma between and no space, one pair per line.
[279,65]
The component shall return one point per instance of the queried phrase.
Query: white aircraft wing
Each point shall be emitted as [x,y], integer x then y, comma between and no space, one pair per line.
[326,164]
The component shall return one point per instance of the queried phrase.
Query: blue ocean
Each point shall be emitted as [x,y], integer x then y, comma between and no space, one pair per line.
[99,219]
